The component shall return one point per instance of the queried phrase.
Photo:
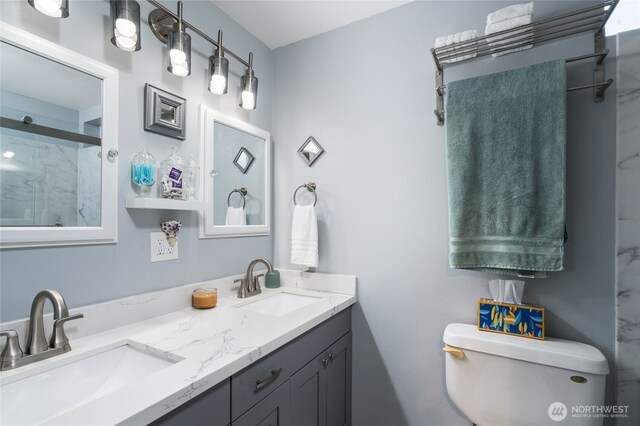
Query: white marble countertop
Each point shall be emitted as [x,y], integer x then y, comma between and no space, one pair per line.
[213,344]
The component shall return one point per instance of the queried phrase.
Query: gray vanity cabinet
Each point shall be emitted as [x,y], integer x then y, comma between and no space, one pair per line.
[307,382]
[273,410]
[321,390]
[211,408]
[339,382]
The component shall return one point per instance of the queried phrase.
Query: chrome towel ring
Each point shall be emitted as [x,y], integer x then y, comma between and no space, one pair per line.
[243,192]
[311,187]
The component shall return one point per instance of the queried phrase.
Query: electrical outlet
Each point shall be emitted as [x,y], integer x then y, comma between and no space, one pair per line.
[161,250]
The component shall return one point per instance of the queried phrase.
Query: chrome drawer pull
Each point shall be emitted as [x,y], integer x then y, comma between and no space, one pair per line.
[274,375]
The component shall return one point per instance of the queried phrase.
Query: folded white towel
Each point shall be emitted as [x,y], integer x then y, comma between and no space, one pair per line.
[235,216]
[500,40]
[443,41]
[509,12]
[304,236]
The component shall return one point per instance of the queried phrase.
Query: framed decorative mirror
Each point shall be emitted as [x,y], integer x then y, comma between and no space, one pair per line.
[164,113]
[58,171]
[310,151]
[243,160]
[236,177]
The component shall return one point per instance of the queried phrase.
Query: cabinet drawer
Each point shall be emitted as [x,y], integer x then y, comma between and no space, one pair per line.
[316,340]
[271,411]
[258,380]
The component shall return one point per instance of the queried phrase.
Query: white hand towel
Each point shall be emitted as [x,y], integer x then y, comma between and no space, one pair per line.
[235,216]
[443,41]
[304,236]
[498,41]
[509,12]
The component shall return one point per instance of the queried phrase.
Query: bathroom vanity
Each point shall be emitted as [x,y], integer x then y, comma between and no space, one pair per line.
[307,381]
[282,356]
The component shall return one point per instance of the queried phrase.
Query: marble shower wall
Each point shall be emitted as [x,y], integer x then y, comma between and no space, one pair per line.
[46,184]
[628,226]
[39,184]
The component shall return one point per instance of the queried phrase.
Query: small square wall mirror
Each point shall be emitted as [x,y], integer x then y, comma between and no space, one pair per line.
[164,113]
[243,160]
[310,151]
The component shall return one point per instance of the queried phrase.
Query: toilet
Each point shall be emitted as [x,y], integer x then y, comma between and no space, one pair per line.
[500,380]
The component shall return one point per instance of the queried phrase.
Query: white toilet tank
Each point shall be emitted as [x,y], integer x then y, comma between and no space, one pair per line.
[506,380]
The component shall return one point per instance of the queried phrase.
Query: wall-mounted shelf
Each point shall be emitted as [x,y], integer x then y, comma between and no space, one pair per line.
[163,204]
[590,19]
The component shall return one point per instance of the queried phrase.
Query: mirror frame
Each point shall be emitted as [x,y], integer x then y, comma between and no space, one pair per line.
[206,217]
[13,237]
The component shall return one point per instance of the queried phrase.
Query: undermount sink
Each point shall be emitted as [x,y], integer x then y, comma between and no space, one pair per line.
[40,397]
[279,304]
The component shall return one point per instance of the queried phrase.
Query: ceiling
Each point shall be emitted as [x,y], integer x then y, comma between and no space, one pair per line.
[278,23]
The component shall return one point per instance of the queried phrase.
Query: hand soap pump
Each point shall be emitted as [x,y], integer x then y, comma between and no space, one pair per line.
[272,279]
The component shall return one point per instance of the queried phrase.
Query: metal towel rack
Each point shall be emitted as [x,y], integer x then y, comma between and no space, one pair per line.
[591,18]
[243,192]
[311,187]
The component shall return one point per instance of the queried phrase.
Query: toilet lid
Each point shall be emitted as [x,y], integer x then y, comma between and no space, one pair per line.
[560,353]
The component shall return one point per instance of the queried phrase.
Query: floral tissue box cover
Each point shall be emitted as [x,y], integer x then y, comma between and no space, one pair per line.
[517,320]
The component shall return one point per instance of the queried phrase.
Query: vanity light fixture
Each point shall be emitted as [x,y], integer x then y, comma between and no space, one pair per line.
[125,15]
[53,8]
[169,28]
[219,70]
[179,45]
[249,86]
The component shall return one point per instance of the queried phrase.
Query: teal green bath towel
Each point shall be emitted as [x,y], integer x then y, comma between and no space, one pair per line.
[506,149]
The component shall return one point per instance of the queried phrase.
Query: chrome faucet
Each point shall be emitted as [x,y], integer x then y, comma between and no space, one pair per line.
[249,285]
[37,347]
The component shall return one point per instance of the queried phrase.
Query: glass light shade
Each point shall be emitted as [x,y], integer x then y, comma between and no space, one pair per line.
[219,71]
[53,8]
[125,15]
[249,96]
[179,45]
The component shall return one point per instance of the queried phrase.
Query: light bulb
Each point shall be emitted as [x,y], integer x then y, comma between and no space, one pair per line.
[217,84]
[9,155]
[125,27]
[125,42]
[51,8]
[177,56]
[248,100]
[181,70]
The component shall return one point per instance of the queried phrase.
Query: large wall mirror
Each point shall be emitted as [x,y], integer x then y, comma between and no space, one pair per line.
[58,144]
[236,177]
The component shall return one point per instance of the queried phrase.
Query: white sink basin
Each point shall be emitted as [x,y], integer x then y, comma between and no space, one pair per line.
[40,397]
[280,304]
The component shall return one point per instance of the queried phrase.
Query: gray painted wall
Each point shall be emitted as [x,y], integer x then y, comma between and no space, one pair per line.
[90,274]
[365,92]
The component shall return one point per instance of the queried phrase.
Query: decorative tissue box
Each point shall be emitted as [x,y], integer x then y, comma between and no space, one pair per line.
[517,320]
